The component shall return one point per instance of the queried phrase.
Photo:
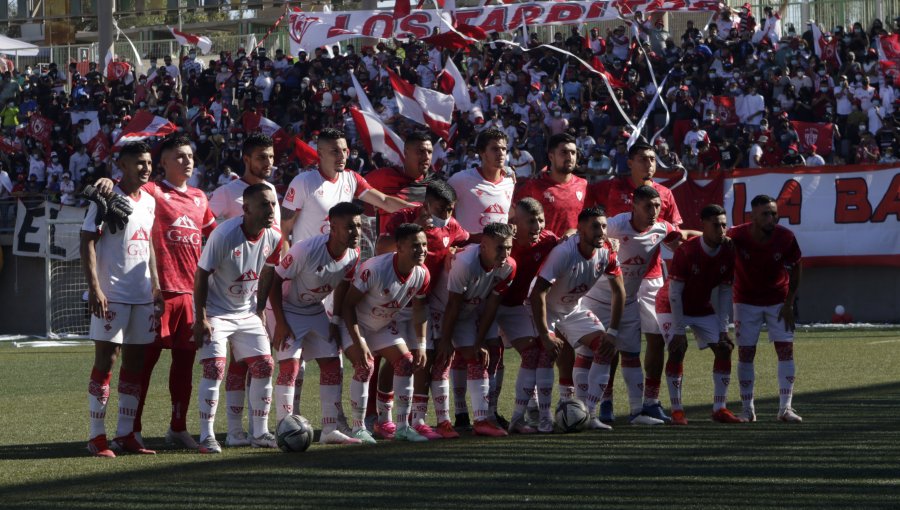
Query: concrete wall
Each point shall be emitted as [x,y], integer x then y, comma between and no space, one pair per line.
[22,308]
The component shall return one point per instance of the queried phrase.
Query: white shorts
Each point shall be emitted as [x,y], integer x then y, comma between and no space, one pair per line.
[748,321]
[395,333]
[126,324]
[705,328]
[310,339]
[467,329]
[629,337]
[247,336]
[515,322]
[575,325]
[646,298]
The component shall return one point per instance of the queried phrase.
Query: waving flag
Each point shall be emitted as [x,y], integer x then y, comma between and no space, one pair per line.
[40,128]
[186,39]
[826,50]
[450,81]
[425,106]
[889,47]
[377,137]
[820,134]
[98,146]
[303,152]
[145,125]
[725,110]
[600,68]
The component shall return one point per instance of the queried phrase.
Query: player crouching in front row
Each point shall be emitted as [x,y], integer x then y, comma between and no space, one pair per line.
[699,266]
[377,319]
[233,278]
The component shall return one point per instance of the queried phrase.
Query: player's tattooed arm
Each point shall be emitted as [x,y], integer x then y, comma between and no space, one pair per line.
[787,309]
[444,345]
[276,299]
[358,353]
[485,320]
[288,217]
[202,329]
[420,324]
[539,312]
[266,276]
[159,305]
[96,299]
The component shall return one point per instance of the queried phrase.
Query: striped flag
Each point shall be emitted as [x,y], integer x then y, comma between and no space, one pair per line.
[425,106]
[186,39]
[377,137]
[145,125]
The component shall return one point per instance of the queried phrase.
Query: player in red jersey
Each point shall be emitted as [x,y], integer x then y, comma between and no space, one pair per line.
[616,196]
[124,300]
[183,219]
[560,192]
[443,234]
[767,275]
[406,182]
[700,266]
[531,246]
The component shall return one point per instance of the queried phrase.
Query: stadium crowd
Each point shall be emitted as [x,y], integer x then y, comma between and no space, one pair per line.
[769,73]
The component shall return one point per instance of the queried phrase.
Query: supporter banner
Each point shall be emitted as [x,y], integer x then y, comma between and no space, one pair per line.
[31,231]
[820,134]
[313,30]
[841,215]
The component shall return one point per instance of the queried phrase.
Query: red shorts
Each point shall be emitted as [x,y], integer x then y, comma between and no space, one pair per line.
[177,322]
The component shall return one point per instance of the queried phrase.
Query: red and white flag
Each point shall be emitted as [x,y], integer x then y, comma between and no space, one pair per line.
[185,39]
[825,50]
[304,153]
[725,110]
[144,125]
[820,134]
[40,128]
[425,106]
[377,137]
[889,47]
[254,122]
[98,146]
[451,81]
[114,71]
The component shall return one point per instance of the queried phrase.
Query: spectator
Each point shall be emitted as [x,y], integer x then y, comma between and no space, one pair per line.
[522,163]
[812,158]
[792,157]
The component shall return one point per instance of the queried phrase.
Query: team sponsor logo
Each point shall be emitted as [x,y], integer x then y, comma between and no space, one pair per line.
[573,295]
[184,230]
[637,260]
[287,261]
[290,195]
[243,285]
[140,235]
[388,310]
[494,209]
[315,295]
[248,276]
[579,195]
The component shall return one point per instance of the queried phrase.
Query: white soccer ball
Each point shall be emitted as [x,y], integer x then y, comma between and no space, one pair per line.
[294,434]
[571,415]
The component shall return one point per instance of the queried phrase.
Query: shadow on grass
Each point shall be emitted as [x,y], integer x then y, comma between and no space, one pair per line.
[845,454]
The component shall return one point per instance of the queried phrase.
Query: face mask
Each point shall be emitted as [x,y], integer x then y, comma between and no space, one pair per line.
[821,73]
[202,138]
[687,82]
[439,222]
[353,155]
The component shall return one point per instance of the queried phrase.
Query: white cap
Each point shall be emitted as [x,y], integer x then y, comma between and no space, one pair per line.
[839,309]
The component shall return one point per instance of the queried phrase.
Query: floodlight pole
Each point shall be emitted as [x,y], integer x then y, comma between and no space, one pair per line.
[104,29]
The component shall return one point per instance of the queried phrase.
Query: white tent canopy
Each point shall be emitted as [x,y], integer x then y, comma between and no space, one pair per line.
[16,48]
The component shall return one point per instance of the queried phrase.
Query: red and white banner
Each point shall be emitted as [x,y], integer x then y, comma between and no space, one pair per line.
[99,147]
[186,39]
[889,47]
[144,125]
[725,110]
[826,49]
[90,121]
[40,128]
[376,137]
[819,134]
[848,215]
[304,153]
[314,30]
[425,106]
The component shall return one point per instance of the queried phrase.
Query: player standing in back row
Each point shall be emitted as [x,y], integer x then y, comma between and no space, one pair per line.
[233,278]
[124,300]
[767,275]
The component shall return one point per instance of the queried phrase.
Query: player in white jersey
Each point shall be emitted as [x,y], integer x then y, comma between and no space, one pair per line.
[377,320]
[258,155]
[124,299]
[311,194]
[484,194]
[476,279]
[233,278]
[313,269]
[640,234]
[571,269]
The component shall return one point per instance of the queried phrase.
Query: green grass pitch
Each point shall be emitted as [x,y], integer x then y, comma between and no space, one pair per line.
[846,453]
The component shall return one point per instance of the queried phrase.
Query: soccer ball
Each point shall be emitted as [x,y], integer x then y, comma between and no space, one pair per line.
[571,415]
[294,434]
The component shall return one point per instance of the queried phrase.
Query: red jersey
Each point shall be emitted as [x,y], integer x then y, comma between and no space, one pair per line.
[182,219]
[615,196]
[440,239]
[528,262]
[562,202]
[701,273]
[762,269]
[394,182]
